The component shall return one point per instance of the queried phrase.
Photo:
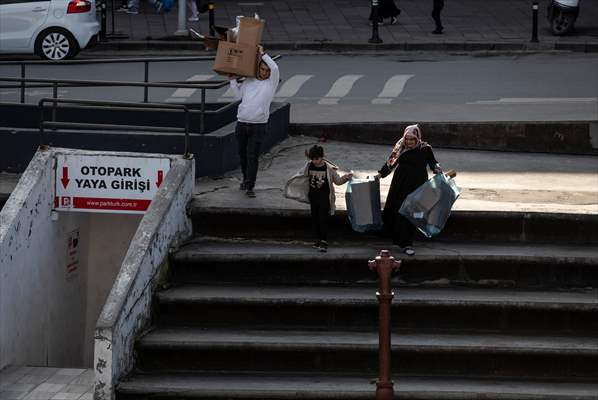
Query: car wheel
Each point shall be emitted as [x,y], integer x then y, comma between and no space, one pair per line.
[56,44]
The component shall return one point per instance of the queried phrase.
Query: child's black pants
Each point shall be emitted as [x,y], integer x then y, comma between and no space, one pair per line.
[320,214]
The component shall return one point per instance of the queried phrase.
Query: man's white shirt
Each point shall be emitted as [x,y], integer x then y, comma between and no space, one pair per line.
[256,95]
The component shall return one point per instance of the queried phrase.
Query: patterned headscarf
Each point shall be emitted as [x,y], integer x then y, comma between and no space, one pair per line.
[400,148]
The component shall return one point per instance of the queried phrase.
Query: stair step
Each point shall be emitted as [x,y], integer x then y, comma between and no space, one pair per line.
[348,307]
[188,349]
[202,339]
[333,387]
[436,263]
[486,226]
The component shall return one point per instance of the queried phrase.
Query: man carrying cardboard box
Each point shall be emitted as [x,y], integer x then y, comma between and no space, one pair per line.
[255,94]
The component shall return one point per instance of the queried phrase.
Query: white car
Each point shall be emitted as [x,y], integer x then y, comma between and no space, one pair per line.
[52,29]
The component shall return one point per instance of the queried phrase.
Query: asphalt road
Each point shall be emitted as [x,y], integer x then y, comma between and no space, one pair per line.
[424,86]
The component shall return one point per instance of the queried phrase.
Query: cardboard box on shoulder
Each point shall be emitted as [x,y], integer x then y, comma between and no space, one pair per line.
[250,31]
[235,58]
[238,54]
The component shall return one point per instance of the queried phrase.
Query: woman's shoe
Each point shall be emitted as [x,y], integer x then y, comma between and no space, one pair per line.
[323,246]
[393,20]
[409,251]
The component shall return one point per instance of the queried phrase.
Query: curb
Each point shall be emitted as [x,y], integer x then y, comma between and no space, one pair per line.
[169,43]
[560,137]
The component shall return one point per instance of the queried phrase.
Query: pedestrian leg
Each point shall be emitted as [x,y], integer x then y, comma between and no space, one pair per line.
[194,10]
[404,231]
[314,206]
[254,143]
[241,136]
[438,6]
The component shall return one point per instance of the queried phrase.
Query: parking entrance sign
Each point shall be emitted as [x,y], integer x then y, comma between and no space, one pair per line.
[115,184]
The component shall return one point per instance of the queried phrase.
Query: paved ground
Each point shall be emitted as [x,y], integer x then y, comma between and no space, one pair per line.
[346,21]
[423,86]
[490,180]
[41,383]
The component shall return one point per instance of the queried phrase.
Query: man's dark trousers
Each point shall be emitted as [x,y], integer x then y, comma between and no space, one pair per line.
[249,141]
[438,6]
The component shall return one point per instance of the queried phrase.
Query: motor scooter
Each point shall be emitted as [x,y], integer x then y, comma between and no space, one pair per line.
[562,15]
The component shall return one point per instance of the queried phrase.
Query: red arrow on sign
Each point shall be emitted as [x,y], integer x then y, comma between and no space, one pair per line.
[65,177]
[160,178]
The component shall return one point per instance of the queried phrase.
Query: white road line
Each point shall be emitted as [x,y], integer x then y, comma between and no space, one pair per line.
[392,89]
[340,88]
[291,87]
[227,97]
[528,100]
[184,93]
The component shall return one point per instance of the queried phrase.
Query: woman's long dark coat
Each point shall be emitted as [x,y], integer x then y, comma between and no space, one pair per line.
[410,173]
[386,9]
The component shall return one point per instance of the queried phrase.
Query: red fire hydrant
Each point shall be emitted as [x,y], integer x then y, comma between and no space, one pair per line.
[384,264]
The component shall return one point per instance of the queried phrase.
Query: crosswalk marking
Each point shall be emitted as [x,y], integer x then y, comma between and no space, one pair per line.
[291,87]
[182,94]
[227,97]
[392,89]
[340,88]
[523,100]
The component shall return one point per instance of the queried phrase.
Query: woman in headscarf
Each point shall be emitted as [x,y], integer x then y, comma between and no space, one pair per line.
[409,158]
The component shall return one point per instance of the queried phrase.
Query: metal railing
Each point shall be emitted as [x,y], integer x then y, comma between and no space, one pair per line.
[200,85]
[146,64]
[120,105]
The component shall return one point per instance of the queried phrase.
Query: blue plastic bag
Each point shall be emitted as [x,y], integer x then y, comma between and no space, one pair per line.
[429,206]
[363,204]
[167,5]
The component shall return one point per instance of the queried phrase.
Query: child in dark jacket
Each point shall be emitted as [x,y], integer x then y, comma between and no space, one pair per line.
[316,186]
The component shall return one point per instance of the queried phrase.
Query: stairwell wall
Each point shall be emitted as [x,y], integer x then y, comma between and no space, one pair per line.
[42,293]
[127,310]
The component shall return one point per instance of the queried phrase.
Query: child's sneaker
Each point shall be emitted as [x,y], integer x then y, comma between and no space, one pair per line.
[323,246]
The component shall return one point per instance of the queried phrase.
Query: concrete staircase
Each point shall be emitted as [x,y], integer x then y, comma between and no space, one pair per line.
[248,317]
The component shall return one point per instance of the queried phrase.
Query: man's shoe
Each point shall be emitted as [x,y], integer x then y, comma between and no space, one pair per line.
[393,20]
[243,186]
[437,31]
[122,8]
[316,245]
[250,193]
[409,251]
[193,19]
[323,246]
[134,12]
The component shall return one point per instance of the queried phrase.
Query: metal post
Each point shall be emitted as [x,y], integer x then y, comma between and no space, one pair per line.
[182,21]
[23,83]
[202,109]
[103,21]
[384,265]
[187,140]
[146,80]
[375,37]
[211,8]
[112,18]
[42,132]
[535,22]
[54,96]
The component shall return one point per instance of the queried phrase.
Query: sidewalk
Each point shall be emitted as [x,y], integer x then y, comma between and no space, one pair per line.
[343,24]
[490,181]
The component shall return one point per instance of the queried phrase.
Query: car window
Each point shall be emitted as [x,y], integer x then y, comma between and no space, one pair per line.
[2,2]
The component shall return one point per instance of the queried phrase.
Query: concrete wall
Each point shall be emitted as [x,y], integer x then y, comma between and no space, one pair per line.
[127,309]
[42,300]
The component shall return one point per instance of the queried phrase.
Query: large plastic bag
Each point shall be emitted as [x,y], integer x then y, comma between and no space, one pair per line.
[363,204]
[429,206]
[297,188]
